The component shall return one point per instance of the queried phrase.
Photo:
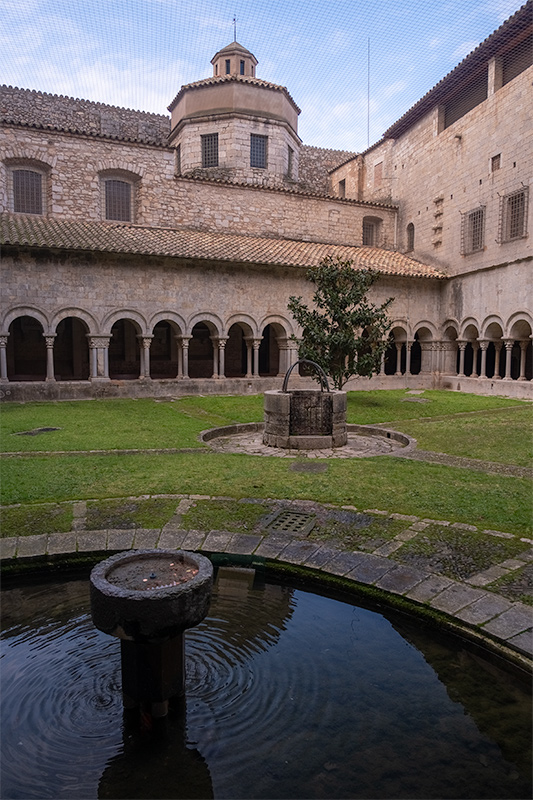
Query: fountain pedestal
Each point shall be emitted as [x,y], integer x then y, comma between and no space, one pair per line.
[147,599]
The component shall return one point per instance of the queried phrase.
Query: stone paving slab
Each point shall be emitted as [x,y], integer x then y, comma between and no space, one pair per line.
[322,556]
[271,546]
[61,543]
[171,539]
[31,546]
[297,551]
[217,541]
[120,539]
[343,563]
[429,588]
[193,540]
[146,538]
[8,547]
[455,597]
[370,568]
[484,609]
[524,642]
[400,579]
[487,576]
[243,544]
[516,620]
[89,541]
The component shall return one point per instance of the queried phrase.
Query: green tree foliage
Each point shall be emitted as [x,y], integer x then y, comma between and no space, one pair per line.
[344,333]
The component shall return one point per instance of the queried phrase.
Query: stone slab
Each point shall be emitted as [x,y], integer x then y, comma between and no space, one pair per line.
[370,568]
[216,541]
[322,556]
[487,576]
[343,563]
[8,547]
[171,539]
[455,597]
[400,579]
[429,588]
[91,540]
[523,641]
[193,540]
[271,546]
[28,546]
[298,552]
[120,539]
[146,538]
[516,620]
[243,544]
[484,609]
[387,548]
[512,563]
[61,543]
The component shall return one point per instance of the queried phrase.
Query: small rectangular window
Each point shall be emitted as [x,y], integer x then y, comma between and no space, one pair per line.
[473,231]
[27,191]
[228,66]
[177,163]
[117,200]
[495,163]
[369,230]
[342,188]
[513,213]
[210,150]
[242,67]
[290,161]
[378,174]
[258,151]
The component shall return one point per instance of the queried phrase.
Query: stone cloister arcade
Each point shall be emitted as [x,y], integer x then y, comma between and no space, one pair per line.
[73,346]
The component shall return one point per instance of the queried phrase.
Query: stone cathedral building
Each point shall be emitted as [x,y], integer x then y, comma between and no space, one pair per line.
[146,255]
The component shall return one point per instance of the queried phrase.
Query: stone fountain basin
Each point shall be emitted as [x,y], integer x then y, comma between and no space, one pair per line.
[149,595]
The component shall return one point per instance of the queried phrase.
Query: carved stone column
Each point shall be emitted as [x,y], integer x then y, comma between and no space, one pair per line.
[145,342]
[398,358]
[497,353]
[99,347]
[523,350]
[49,339]
[184,354]
[408,357]
[256,345]
[483,343]
[475,348]
[508,350]
[3,357]
[462,347]
[222,356]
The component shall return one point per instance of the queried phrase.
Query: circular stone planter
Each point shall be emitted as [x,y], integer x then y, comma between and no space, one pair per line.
[143,595]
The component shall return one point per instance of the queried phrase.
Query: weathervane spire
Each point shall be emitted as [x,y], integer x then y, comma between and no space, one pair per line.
[235,27]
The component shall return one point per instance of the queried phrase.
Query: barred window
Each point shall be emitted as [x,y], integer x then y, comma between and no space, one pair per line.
[242,67]
[473,231]
[27,191]
[369,233]
[258,151]
[228,66]
[210,150]
[513,213]
[118,200]
[290,161]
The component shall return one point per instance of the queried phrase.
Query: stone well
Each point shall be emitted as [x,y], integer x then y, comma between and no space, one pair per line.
[305,419]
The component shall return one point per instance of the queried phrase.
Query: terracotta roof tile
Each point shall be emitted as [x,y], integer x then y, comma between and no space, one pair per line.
[34,231]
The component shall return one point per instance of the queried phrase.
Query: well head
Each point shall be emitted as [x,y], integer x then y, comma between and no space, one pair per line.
[144,595]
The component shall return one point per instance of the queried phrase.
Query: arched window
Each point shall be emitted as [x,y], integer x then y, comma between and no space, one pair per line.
[410,237]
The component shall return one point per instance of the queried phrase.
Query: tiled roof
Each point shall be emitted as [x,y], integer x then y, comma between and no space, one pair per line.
[218,79]
[34,231]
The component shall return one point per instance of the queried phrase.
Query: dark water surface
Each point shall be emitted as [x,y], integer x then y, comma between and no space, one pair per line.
[290,694]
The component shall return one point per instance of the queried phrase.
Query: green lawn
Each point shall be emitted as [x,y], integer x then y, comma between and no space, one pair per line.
[479,427]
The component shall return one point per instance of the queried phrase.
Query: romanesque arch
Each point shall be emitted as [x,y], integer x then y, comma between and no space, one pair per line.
[125,349]
[239,346]
[71,349]
[27,358]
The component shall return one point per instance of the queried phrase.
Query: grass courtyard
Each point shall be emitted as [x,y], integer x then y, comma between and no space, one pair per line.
[47,466]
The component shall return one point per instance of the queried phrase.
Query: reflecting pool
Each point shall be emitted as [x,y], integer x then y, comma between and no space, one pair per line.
[290,694]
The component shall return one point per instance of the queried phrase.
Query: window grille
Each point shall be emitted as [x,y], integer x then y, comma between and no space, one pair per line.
[242,67]
[258,151]
[513,215]
[210,150]
[342,188]
[118,200]
[27,191]
[369,233]
[495,162]
[228,66]
[473,231]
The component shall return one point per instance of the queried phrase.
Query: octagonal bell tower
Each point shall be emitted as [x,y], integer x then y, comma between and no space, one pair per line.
[234,126]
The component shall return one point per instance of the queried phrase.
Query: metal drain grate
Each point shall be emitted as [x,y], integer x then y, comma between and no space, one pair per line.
[291,522]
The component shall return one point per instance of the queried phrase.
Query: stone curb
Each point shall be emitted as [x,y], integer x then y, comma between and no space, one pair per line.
[490,615]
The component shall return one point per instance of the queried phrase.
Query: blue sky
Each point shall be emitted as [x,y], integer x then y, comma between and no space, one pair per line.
[137,53]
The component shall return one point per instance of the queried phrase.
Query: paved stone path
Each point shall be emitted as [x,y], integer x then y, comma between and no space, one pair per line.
[485,613]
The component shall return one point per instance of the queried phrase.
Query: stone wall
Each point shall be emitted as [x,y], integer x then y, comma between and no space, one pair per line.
[315,164]
[43,110]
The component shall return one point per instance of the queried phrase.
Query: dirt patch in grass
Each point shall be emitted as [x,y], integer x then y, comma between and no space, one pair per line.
[225,515]
[517,585]
[456,553]
[31,520]
[353,530]
[129,513]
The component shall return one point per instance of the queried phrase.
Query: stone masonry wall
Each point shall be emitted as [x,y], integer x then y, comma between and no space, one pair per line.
[40,109]
[164,200]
